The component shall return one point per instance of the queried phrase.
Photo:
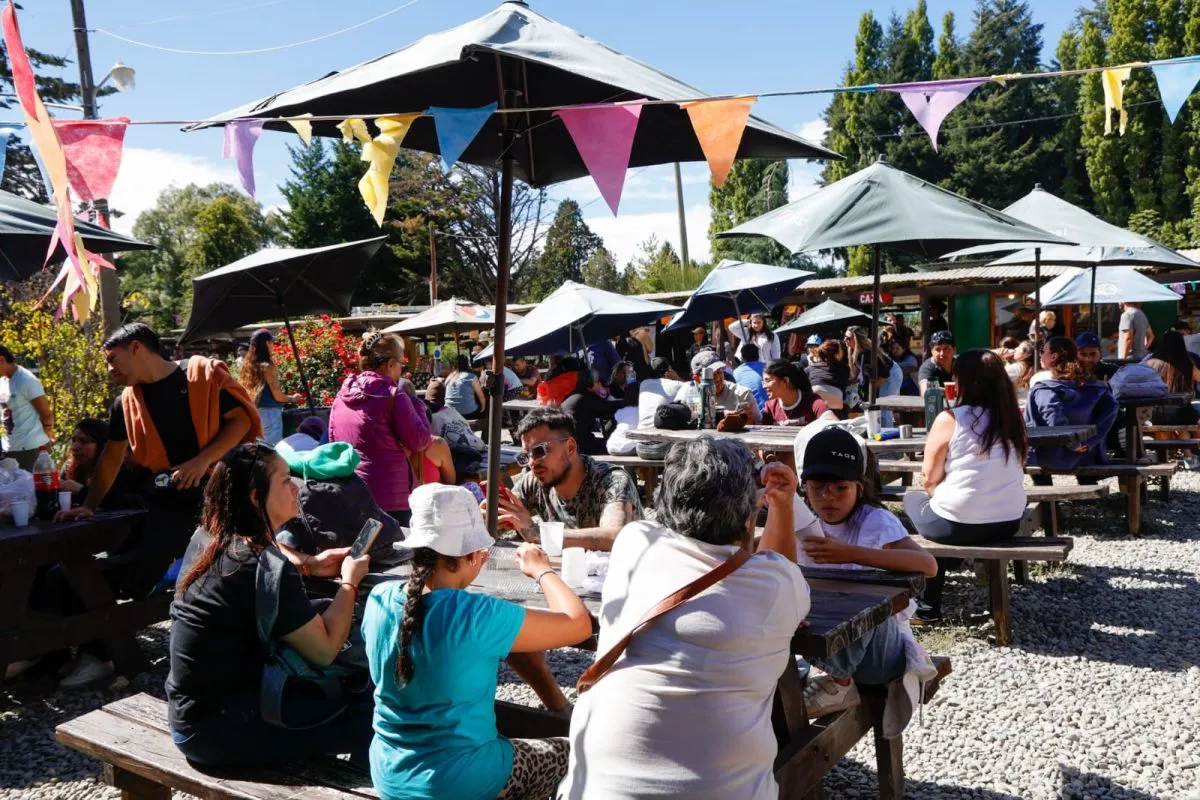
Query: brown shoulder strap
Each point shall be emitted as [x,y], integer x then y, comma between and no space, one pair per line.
[604,663]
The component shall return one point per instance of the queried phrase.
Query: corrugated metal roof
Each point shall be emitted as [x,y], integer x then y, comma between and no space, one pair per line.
[1194,255]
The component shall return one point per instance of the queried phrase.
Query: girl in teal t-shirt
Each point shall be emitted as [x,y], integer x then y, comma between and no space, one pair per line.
[434,652]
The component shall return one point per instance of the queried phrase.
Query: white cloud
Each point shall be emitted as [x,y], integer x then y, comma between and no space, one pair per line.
[623,234]
[813,130]
[147,172]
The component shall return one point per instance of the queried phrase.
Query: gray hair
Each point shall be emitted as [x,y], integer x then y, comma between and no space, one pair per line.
[708,490]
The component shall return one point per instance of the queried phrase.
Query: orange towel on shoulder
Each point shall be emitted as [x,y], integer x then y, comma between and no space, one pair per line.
[206,377]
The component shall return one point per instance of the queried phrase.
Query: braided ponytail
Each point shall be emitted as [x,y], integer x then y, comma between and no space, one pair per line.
[423,562]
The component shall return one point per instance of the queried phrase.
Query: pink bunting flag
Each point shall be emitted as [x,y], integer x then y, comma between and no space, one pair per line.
[603,135]
[240,138]
[930,102]
[93,148]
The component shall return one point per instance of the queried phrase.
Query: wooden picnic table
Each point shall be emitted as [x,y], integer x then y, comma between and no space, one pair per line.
[1134,449]
[24,552]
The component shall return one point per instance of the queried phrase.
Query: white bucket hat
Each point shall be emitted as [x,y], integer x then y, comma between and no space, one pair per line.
[445,519]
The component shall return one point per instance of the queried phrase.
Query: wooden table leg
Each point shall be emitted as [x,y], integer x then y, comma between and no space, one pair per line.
[134,786]
[16,585]
[889,753]
[1000,597]
[87,580]
[1133,491]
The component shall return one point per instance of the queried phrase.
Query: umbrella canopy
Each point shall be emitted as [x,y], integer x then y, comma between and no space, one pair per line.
[1056,215]
[25,231]
[1151,254]
[885,206]
[451,315]
[1112,285]
[318,280]
[575,316]
[463,67]
[734,288]
[822,315]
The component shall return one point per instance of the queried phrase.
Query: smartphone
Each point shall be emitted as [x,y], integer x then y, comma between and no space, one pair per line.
[366,538]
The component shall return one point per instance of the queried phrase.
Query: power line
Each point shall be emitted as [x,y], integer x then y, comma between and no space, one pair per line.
[257,50]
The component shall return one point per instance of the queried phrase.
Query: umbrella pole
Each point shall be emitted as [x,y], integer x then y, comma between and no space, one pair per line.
[1037,282]
[287,324]
[1095,316]
[496,411]
[874,329]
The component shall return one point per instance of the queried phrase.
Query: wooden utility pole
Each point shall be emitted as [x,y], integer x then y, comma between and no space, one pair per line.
[110,294]
[683,247]
[433,287]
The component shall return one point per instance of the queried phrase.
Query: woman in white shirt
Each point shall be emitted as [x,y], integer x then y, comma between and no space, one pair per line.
[647,727]
[760,334]
[973,470]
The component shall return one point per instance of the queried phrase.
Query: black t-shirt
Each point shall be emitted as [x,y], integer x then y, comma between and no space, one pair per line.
[215,652]
[930,371]
[834,374]
[167,404]
[585,408]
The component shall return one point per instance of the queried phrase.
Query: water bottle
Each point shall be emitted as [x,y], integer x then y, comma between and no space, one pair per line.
[935,403]
[707,410]
[45,485]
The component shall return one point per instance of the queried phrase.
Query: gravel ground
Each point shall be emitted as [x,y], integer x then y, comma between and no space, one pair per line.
[1097,697]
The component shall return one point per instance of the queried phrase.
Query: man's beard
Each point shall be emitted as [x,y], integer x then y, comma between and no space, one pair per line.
[554,480]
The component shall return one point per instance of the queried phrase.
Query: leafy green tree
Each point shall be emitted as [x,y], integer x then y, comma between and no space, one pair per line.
[601,272]
[1074,186]
[854,118]
[1190,115]
[753,187]
[945,65]
[194,229]
[658,268]
[570,243]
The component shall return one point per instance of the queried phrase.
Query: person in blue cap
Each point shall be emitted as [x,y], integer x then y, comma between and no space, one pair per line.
[1087,351]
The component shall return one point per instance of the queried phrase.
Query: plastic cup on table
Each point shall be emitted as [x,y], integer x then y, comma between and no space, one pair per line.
[20,512]
[873,422]
[574,567]
[64,501]
[951,392]
[552,537]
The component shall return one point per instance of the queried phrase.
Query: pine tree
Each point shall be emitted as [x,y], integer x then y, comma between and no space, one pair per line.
[946,63]
[1106,174]
[1140,146]
[991,161]
[852,116]
[1190,115]
[601,272]
[1173,201]
[1074,186]
[753,187]
[570,243]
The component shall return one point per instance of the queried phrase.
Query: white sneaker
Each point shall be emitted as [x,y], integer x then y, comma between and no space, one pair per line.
[88,670]
[823,696]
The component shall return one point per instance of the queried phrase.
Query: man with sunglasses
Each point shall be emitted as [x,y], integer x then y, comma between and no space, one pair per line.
[594,501]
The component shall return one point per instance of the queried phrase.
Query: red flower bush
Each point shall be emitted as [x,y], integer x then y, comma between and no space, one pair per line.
[329,355]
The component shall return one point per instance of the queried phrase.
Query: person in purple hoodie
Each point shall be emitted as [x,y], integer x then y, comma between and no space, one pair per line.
[1069,397]
[379,413]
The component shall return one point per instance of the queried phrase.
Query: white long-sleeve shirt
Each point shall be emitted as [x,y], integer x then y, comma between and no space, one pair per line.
[769,347]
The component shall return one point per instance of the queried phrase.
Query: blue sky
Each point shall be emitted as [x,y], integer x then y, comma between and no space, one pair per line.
[747,46]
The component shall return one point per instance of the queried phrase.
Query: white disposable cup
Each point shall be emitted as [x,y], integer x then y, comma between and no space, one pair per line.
[552,537]
[20,513]
[873,422]
[64,501]
[574,567]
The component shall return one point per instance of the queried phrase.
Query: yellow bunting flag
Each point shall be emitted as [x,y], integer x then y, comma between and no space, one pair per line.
[354,129]
[304,128]
[381,153]
[719,125]
[1114,97]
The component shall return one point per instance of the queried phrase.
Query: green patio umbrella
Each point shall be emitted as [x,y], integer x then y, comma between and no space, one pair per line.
[822,315]
[886,207]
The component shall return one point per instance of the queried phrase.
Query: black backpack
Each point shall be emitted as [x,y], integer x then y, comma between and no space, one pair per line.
[673,417]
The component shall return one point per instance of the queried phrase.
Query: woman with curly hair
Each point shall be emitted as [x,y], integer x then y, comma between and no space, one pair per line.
[260,377]
[217,657]
[434,649]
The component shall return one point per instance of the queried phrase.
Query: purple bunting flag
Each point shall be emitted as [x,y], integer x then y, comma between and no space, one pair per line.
[931,101]
[240,138]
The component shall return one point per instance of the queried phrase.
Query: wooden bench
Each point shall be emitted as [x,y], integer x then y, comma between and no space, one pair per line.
[801,763]
[130,737]
[1131,478]
[1161,449]
[1019,549]
[1047,497]
[648,469]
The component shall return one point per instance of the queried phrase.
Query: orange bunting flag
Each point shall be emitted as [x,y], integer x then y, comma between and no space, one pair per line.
[719,125]
[45,140]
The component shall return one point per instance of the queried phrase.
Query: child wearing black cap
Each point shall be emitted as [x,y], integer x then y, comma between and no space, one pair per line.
[859,533]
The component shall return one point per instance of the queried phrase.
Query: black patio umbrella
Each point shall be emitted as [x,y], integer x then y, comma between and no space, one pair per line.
[25,231]
[518,59]
[281,281]
[886,207]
